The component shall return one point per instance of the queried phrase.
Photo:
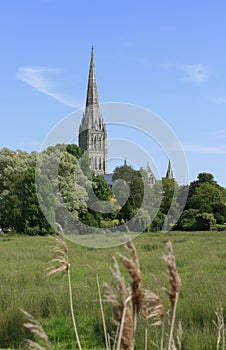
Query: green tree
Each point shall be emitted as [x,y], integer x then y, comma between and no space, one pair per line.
[101,189]
[22,211]
[135,182]
[206,196]
[206,177]
[68,183]
[187,220]
[204,221]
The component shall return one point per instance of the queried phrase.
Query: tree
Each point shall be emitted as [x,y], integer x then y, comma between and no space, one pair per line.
[69,184]
[204,221]
[206,177]
[206,196]
[169,187]
[134,179]
[101,189]
[22,211]
[187,220]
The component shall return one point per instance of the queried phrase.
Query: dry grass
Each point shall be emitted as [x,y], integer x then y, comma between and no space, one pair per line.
[121,300]
[173,292]
[128,302]
[36,329]
[220,328]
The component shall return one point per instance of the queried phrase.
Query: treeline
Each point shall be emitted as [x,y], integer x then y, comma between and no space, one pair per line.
[39,189]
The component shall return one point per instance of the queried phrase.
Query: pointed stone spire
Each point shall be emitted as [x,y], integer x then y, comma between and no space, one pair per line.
[148,169]
[92,131]
[92,95]
[92,117]
[169,172]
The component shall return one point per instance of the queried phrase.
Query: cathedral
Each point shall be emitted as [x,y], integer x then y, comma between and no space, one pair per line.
[93,132]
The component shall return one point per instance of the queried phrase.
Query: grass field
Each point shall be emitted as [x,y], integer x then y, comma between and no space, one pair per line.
[201,262]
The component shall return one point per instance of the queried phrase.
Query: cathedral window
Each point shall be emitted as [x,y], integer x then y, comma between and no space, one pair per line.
[100,142]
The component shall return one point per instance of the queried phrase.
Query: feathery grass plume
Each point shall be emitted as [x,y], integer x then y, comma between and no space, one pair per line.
[61,264]
[153,310]
[36,328]
[122,308]
[60,261]
[173,292]
[132,266]
[174,278]
[220,327]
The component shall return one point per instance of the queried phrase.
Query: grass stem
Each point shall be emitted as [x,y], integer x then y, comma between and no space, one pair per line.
[72,309]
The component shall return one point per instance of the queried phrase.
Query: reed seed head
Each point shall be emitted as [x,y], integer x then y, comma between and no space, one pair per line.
[174,278]
[60,261]
[36,329]
[133,268]
[153,308]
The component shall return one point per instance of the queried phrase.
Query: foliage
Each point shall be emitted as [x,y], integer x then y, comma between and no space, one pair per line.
[57,185]
[187,220]
[208,199]
[134,179]
[55,174]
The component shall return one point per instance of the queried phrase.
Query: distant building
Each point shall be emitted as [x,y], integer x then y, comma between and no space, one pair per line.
[151,177]
[169,172]
[93,133]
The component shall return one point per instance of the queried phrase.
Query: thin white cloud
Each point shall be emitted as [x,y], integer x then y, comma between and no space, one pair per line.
[36,77]
[218,100]
[204,149]
[195,72]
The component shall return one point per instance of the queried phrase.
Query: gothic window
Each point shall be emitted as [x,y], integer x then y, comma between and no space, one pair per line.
[95,142]
[95,164]
[100,163]
[100,142]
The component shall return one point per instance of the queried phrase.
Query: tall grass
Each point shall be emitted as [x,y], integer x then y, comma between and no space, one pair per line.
[201,260]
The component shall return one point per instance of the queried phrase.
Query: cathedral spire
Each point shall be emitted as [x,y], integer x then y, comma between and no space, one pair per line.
[92,95]
[169,172]
[92,131]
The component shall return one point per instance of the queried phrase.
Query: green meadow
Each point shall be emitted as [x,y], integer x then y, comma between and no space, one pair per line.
[201,263]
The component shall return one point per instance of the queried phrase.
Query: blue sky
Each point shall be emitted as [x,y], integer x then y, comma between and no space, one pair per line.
[166,56]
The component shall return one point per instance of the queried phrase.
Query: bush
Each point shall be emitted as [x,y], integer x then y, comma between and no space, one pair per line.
[218,227]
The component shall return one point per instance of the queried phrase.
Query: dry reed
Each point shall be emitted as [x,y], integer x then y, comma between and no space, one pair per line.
[36,329]
[122,308]
[126,302]
[173,292]
[220,328]
[153,310]
[61,264]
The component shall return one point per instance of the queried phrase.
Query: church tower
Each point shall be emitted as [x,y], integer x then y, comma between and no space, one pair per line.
[92,131]
[169,172]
